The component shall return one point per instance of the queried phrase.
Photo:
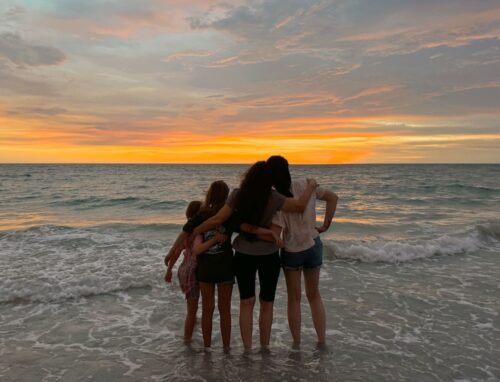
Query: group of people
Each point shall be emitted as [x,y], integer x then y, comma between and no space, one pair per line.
[275,221]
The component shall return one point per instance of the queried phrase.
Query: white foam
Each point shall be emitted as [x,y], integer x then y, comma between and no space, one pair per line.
[53,264]
[407,250]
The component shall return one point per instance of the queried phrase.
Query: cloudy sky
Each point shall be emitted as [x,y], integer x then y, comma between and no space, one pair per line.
[319,81]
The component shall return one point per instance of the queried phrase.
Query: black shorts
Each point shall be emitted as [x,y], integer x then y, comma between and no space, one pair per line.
[268,268]
[215,268]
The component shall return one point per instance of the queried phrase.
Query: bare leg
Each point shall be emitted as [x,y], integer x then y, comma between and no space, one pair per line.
[224,292]
[265,322]
[311,279]
[294,291]
[246,322]
[189,323]
[207,311]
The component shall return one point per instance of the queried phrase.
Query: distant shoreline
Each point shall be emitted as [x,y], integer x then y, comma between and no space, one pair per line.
[245,164]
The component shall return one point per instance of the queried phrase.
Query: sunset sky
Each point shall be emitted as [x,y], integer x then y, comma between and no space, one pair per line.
[319,81]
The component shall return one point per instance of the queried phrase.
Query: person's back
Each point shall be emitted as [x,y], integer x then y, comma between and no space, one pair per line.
[254,246]
[302,254]
[299,230]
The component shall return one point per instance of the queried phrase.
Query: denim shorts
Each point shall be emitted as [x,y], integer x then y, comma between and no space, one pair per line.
[309,260]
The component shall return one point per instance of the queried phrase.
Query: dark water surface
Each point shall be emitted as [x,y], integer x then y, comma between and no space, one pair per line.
[410,277]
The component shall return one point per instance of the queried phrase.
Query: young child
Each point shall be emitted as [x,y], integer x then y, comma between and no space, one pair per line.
[215,265]
[187,276]
[208,247]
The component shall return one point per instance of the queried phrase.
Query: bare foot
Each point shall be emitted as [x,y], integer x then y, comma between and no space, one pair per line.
[264,350]
[322,347]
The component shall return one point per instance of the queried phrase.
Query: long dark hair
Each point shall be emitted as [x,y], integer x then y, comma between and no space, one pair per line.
[254,193]
[216,198]
[280,174]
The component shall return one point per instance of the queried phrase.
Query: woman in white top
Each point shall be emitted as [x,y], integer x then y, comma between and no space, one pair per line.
[303,250]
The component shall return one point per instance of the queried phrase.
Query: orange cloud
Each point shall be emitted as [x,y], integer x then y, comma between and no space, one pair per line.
[301,140]
[33,141]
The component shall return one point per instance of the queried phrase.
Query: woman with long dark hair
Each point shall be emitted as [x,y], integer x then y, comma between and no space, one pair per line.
[255,203]
[303,250]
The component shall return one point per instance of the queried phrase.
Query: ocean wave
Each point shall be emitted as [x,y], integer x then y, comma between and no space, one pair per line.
[24,198]
[480,236]
[15,175]
[161,204]
[27,296]
[468,187]
[431,200]
[49,230]
[401,200]
[489,231]
[362,227]
[92,202]
[136,227]
[55,263]
[451,189]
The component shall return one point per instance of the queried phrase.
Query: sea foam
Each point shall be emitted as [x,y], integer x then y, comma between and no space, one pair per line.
[52,263]
[55,263]
[480,236]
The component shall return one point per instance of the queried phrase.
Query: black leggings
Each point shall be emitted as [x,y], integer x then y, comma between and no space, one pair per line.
[268,268]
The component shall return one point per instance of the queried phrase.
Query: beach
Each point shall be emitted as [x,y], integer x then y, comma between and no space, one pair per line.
[410,278]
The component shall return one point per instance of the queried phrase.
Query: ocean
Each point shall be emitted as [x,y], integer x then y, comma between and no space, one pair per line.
[410,280]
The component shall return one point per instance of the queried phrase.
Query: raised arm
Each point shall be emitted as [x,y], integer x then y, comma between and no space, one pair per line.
[299,205]
[331,205]
[215,221]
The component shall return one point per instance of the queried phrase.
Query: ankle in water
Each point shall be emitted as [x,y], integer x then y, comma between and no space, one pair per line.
[264,349]
[322,346]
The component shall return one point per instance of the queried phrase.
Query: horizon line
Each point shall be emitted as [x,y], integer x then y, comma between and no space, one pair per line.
[246,163]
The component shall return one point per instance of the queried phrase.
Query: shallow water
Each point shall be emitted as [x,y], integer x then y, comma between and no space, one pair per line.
[411,277]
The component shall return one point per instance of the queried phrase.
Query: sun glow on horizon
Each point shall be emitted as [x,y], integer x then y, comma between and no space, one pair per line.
[197,82]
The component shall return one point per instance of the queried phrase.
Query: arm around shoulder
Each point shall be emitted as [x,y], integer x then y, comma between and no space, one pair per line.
[299,205]
[216,220]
